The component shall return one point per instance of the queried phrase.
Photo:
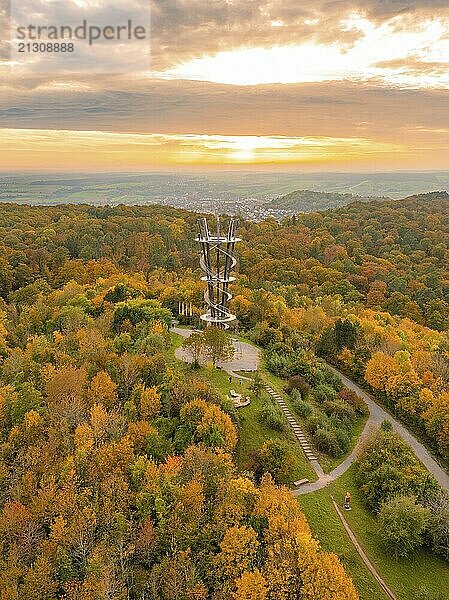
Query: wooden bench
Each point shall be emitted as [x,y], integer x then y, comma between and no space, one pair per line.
[300,482]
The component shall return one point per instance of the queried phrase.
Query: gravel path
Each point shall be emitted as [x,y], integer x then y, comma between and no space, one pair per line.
[376,416]
[247,358]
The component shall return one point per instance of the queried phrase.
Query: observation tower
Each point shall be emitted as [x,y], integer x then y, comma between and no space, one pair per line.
[217,261]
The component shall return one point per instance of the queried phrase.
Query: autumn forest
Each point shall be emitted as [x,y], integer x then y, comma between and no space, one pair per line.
[127,474]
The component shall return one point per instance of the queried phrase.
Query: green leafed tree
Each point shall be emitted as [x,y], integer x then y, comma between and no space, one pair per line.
[217,345]
[194,345]
[403,522]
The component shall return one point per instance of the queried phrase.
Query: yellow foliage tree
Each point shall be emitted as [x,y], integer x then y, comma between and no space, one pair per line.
[190,505]
[214,417]
[99,421]
[436,418]
[346,357]
[111,456]
[83,437]
[58,530]
[274,501]
[283,539]
[32,421]
[102,390]
[64,388]
[208,419]
[379,371]
[138,433]
[237,552]
[251,585]
[235,500]
[323,578]
[426,399]
[39,582]
[150,404]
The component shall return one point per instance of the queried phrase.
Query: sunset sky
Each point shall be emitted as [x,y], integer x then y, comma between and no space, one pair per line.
[354,85]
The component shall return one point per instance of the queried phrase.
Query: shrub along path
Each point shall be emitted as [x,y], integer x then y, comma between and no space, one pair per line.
[247,358]
[298,433]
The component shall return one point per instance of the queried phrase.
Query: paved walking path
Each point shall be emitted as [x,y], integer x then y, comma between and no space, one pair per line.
[247,358]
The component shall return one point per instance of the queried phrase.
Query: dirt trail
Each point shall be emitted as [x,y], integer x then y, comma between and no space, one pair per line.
[369,565]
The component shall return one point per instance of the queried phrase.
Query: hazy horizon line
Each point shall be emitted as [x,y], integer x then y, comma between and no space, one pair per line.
[215,170]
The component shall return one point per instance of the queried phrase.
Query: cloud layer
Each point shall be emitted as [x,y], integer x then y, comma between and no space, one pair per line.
[183,29]
[344,109]
[377,70]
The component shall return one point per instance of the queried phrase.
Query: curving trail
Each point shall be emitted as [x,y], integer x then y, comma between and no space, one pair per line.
[376,415]
[247,358]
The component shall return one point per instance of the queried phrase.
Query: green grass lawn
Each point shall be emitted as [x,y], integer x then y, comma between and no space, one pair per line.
[328,529]
[252,433]
[176,341]
[404,577]
[220,380]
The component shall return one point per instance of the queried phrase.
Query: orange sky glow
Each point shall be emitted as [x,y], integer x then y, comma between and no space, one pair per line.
[332,86]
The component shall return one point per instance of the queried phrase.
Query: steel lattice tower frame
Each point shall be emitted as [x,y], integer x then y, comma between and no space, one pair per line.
[217,261]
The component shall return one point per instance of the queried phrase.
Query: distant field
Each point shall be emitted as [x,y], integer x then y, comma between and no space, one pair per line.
[127,188]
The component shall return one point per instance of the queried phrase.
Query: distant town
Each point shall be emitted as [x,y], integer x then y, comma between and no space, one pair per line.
[251,195]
